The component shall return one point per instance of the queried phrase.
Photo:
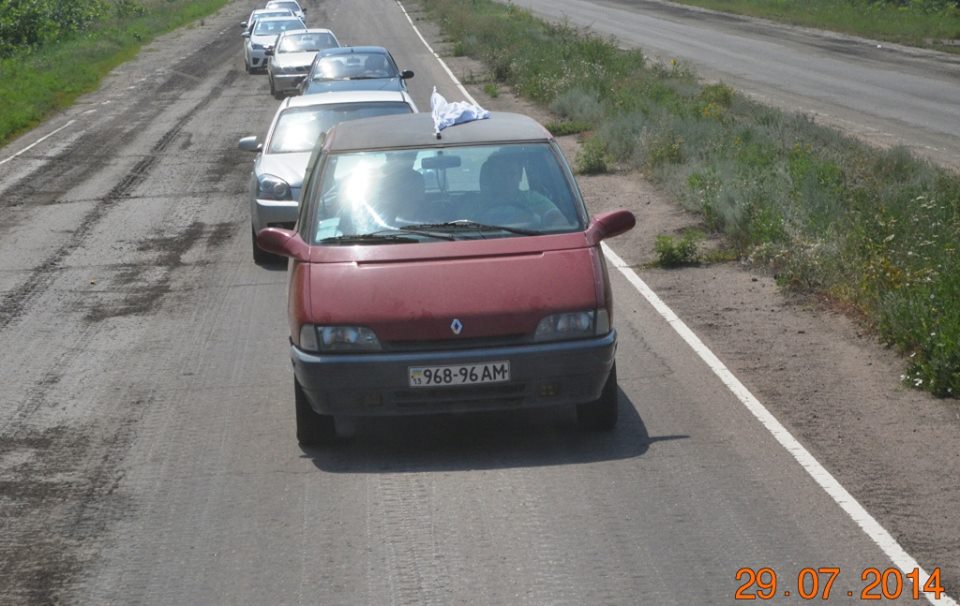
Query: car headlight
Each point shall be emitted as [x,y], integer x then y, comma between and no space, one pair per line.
[256,46]
[332,339]
[573,325]
[273,188]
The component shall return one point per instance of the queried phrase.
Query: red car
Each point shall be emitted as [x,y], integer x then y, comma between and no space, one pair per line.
[445,273]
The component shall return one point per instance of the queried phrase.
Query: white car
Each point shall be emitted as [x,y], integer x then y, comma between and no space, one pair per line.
[247,26]
[291,58]
[292,5]
[280,165]
[263,35]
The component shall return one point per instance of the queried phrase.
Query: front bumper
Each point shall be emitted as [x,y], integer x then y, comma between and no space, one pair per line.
[547,374]
[274,213]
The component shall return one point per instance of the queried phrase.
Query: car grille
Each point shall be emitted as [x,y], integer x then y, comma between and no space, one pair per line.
[456,344]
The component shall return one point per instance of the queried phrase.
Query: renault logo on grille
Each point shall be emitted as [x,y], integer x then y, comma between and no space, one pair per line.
[456,326]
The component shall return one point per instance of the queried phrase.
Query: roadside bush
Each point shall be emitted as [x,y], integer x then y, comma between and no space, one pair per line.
[592,159]
[677,251]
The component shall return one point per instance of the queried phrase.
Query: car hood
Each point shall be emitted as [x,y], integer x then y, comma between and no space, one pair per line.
[289,167]
[262,40]
[303,59]
[325,86]
[492,292]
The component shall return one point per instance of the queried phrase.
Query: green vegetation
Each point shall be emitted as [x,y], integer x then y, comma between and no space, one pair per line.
[677,251]
[52,51]
[876,231]
[926,23]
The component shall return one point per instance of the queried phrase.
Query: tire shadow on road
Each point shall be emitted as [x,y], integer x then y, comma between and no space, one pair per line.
[487,440]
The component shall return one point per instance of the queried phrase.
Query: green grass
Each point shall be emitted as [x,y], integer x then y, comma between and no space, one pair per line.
[36,84]
[925,23]
[875,231]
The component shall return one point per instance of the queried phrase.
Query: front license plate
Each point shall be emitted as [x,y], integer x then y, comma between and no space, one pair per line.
[461,374]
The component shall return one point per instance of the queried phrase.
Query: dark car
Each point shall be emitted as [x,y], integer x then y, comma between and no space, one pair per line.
[354,68]
[450,274]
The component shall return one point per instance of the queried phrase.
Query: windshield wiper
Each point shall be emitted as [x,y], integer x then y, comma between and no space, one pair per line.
[467,224]
[374,238]
[389,235]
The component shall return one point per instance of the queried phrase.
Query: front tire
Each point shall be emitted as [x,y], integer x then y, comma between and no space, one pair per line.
[602,413]
[312,429]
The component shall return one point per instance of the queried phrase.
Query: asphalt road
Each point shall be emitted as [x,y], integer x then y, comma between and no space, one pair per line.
[884,93]
[147,453]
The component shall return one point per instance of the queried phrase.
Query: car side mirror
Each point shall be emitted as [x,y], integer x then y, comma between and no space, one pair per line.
[406,74]
[283,242]
[243,24]
[245,35]
[250,144]
[610,224]
[268,52]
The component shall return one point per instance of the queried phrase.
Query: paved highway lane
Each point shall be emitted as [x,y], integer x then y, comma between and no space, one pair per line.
[890,95]
[147,453]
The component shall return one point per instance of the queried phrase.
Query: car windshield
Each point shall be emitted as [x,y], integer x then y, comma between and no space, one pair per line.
[298,128]
[432,195]
[355,66]
[267,27]
[300,43]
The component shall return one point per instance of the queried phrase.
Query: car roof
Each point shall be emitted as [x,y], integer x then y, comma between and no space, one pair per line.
[290,17]
[307,30]
[259,11]
[275,2]
[347,96]
[346,50]
[417,130]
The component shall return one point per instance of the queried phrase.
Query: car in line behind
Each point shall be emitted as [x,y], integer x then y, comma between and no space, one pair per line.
[354,68]
[263,35]
[257,13]
[293,6]
[446,274]
[281,161]
[291,57]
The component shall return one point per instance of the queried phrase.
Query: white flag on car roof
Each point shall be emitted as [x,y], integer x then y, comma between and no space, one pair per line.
[447,114]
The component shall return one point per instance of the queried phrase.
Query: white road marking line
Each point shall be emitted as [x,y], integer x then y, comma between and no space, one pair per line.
[903,560]
[37,142]
[877,533]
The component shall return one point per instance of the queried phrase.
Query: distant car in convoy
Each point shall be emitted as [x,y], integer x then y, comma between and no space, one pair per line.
[297,125]
[247,26]
[292,5]
[263,35]
[446,274]
[354,68]
[290,59]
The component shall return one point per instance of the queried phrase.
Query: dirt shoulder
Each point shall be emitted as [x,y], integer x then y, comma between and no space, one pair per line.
[825,378]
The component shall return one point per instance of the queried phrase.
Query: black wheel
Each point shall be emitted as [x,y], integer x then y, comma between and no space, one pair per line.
[601,414]
[247,67]
[260,256]
[312,429]
[273,91]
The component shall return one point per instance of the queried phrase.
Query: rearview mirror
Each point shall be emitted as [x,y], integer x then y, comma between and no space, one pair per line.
[250,144]
[283,242]
[435,162]
[610,224]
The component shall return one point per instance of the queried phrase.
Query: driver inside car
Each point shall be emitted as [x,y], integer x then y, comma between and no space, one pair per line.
[503,200]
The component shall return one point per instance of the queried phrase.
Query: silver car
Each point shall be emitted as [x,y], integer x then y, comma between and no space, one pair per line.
[292,56]
[280,165]
[263,35]
[247,26]
[292,5]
